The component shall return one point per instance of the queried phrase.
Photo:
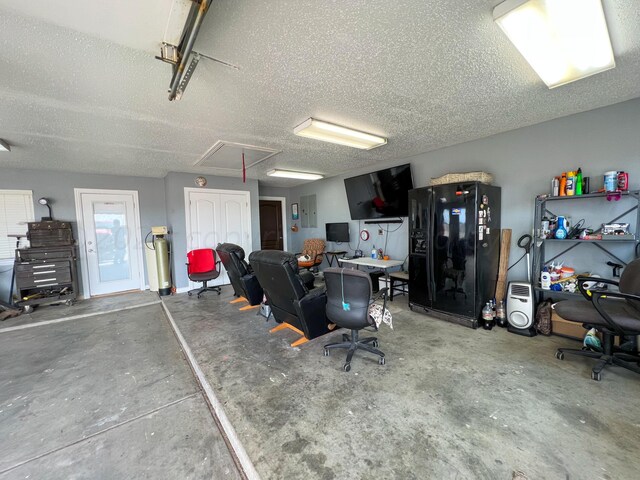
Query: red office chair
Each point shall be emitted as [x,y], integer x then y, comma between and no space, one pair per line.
[202,267]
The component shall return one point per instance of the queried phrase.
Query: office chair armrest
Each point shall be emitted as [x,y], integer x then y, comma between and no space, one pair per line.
[607,293]
[585,293]
[598,295]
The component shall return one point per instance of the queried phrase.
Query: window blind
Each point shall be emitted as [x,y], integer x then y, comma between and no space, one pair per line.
[16,209]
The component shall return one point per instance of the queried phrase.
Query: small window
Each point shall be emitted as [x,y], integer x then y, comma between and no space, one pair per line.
[16,209]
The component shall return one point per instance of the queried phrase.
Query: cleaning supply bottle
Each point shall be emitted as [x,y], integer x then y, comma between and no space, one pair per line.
[579,182]
[571,183]
[555,187]
[374,252]
[561,230]
[563,184]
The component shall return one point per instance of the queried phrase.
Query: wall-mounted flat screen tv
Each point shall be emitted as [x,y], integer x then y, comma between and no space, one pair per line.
[338,232]
[381,194]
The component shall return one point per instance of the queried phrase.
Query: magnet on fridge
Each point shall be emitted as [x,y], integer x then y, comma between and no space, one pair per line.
[485,200]
[488,231]
[480,233]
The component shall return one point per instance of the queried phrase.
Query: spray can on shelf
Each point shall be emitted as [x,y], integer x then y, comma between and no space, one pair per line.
[579,182]
[555,187]
[563,184]
[623,181]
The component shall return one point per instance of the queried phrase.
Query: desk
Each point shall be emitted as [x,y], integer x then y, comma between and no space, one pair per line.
[373,262]
[332,255]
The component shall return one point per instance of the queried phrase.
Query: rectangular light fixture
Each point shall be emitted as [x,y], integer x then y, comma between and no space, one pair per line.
[4,146]
[292,174]
[328,132]
[563,40]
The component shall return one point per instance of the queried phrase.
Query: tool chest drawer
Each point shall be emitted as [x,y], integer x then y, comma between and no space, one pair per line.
[40,278]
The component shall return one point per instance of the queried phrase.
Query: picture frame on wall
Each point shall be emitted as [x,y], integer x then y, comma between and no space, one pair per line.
[294,211]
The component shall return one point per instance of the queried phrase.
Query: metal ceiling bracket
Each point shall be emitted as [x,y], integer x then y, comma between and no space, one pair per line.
[187,75]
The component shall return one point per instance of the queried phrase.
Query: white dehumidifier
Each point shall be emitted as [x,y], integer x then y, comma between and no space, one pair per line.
[520,309]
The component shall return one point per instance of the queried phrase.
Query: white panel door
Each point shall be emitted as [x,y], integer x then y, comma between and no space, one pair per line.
[205,220]
[235,218]
[110,237]
[215,216]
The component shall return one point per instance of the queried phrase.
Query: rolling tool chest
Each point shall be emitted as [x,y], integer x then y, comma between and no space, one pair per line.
[47,271]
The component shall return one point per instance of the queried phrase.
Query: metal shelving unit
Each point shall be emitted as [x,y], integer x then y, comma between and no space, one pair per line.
[539,253]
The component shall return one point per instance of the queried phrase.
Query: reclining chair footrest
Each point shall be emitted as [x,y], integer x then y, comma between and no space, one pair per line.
[287,326]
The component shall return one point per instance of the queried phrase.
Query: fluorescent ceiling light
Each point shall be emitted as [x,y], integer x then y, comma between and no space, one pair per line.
[563,40]
[4,146]
[292,174]
[328,132]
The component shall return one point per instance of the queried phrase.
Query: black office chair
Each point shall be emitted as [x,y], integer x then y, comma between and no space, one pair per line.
[614,314]
[348,301]
[202,267]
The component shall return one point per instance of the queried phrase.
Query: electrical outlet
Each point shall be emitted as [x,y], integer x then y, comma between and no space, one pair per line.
[380,231]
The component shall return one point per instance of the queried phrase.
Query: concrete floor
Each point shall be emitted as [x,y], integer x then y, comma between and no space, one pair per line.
[451,402]
[110,395]
[105,396]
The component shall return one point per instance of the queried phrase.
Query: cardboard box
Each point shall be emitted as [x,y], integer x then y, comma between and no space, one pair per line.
[560,326]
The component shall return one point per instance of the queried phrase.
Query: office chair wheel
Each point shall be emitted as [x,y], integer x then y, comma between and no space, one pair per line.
[560,355]
[596,376]
[190,294]
[198,296]
[326,352]
[381,361]
[219,292]
[375,344]
[347,367]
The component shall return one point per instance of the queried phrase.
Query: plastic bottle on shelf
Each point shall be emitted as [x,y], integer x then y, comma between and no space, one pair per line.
[563,184]
[555,187]
[374,252]
[571,183]
[545,279]
[578,182]
[561,229]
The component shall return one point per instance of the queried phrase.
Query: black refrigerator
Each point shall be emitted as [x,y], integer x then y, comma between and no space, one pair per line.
[454,247]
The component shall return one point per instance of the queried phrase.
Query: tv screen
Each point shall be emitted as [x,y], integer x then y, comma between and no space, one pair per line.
[381,194]
[337,232]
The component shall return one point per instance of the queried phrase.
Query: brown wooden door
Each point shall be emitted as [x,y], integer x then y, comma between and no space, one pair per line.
[271,225]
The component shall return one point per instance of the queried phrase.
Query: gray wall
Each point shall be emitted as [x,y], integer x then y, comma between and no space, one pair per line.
[58,187]
[174,184]
[522,161]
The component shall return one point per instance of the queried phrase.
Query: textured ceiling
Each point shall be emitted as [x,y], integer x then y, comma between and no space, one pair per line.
[81,89]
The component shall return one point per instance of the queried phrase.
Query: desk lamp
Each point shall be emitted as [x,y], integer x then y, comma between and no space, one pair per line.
[44,201]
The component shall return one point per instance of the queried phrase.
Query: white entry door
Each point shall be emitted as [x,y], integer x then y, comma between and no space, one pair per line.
[218,216]
[110,232]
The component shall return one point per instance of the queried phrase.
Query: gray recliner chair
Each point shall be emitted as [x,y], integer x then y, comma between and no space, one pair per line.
[614,314]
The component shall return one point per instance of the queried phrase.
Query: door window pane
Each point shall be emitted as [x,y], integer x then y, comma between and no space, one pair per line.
[112,241]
